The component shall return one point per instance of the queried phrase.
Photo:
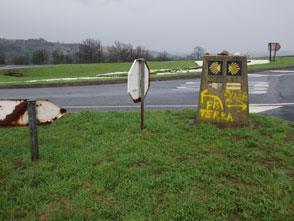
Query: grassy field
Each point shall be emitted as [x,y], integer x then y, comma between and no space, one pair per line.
[94,70]
[281,62]
[100,166]
[85,70]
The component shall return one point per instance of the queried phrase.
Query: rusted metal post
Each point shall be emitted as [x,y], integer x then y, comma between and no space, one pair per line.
[270,51]
[33,129]
[142,90]
[275,52]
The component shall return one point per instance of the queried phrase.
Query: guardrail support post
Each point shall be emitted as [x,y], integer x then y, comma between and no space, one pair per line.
[142,90]
[33,129]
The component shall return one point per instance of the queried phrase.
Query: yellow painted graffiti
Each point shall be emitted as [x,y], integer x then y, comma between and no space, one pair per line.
[216,115]
[212,108]
[211,101]
[236,99]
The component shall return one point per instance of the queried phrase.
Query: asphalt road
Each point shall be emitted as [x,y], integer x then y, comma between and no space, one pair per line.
[270,92]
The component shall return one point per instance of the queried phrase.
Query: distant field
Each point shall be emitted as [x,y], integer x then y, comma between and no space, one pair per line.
[172,68]
[100,166]
[86,70]
[281,62]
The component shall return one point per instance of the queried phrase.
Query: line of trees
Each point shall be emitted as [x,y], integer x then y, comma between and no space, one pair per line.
[89,51]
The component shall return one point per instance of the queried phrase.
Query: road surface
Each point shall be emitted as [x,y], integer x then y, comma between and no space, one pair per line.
[270,92]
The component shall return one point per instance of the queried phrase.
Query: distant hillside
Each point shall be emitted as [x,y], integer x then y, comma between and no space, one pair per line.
[19,51]
[12,48]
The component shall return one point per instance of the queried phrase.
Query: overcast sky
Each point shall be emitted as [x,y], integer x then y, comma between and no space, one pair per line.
[172,25]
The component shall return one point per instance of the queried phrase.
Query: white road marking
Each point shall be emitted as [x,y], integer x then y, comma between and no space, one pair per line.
[259,83]
[259,87]
[257,92]
[282,71]
[285,73]
[191,82]
[260,109]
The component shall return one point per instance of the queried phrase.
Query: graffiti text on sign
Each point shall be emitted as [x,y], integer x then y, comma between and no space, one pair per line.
[236,99]
[213,108]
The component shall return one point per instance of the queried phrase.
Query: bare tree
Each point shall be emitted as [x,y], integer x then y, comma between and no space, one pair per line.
[141,52]
[90,51]
[120,52]
[40,56]
[21,59]
[58,57]
[198,52]
[163,56]
[2,58]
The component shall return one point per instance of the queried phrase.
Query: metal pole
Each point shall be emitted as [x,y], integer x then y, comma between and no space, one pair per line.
[33,129]
[270,51]
[275,54]
[142,90]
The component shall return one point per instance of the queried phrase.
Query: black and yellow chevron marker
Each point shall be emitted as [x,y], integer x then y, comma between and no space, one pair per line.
[214,68]
[234,68]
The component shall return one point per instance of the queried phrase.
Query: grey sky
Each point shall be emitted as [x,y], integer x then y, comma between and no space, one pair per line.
[172,25]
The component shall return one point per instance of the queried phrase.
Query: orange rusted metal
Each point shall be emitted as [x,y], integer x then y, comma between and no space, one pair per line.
[14,112]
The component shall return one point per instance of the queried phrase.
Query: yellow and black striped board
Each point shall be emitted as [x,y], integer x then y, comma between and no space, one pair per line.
[223,95]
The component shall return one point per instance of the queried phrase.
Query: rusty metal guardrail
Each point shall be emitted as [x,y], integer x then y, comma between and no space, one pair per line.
[15,112]
[25,112]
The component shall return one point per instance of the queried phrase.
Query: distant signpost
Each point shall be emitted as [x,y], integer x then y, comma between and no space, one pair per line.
[223,95]
[138,84]
[273,47]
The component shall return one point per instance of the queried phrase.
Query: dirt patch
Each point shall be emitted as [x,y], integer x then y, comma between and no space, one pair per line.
[35,183]
[14,73]
[18,164]
[267,163]
[254,125]
[232,179]
[235,215]
[159,205]
[96,163]
[52,167]
[17,214]
[157,171]
[43,217]
[138,164]
[87,184]
[290,135]
[62,203]
[2,181]
[110,202]
[179,158]
[239,137]
[266,149]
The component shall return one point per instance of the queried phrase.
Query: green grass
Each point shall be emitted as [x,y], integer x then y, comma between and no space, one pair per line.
[85,70]
[100,166]
[92,70]
[281,62]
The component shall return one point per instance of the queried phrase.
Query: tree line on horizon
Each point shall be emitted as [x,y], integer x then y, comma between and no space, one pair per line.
[89,51]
